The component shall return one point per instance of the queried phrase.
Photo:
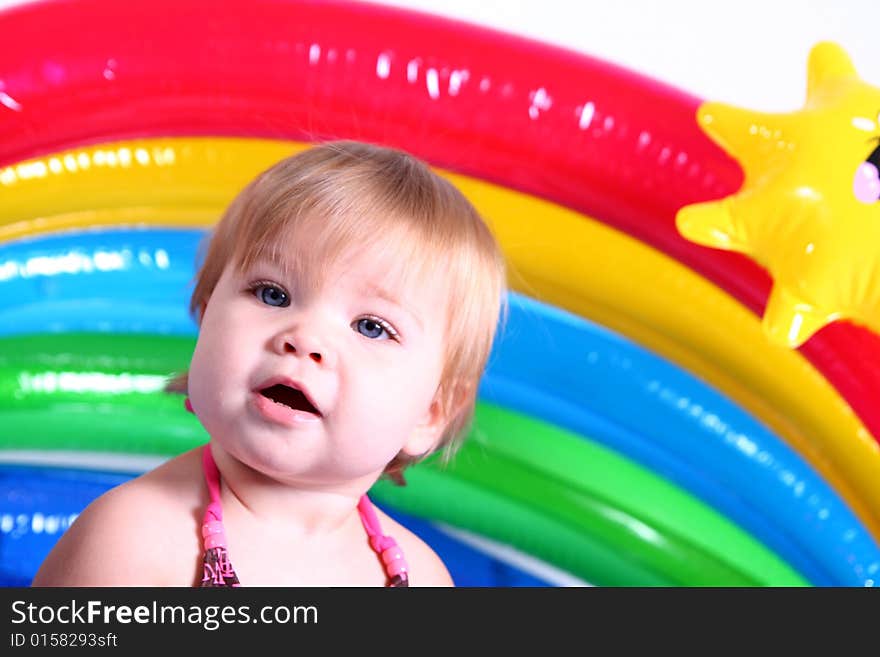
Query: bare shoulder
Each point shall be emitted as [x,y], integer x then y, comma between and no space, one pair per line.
[125,536]
[425,567]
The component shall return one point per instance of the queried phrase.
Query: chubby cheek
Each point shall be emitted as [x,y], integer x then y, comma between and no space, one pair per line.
[395,404]
[201,395]
[214,365]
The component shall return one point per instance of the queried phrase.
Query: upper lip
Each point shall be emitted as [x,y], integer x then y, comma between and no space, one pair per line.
[281,380]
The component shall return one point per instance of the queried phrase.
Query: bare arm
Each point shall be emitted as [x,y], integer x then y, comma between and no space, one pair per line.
[107,545]
[425,567]
[142,533]
[429,570]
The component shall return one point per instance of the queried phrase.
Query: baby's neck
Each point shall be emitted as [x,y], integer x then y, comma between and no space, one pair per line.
[297,510]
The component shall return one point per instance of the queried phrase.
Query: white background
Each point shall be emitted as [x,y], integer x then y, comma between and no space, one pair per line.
[750,53]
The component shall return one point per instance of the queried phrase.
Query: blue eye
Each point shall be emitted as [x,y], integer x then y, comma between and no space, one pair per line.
[374,329]
[272,295]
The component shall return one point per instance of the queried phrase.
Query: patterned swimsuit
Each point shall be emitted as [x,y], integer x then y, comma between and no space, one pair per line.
[218,570]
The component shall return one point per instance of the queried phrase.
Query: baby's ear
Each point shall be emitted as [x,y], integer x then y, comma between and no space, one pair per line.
[449,400]
[178,384]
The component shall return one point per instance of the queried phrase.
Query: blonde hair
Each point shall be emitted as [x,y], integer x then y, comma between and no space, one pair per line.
[348,193]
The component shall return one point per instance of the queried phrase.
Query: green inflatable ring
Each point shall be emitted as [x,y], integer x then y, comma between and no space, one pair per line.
[592,501]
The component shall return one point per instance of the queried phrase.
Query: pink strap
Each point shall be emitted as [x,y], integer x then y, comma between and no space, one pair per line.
[378,541]
[217,569]
[385,546]
[212,479]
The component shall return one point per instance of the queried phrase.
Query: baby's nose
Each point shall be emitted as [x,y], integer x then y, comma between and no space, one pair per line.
[303,345]
[314,355]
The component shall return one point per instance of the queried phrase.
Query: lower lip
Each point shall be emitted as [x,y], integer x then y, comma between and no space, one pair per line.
[281,414]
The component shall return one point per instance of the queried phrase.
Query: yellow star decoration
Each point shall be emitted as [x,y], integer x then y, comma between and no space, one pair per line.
[808,210]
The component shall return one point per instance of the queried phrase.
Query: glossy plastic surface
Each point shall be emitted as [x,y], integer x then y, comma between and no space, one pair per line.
[603,140]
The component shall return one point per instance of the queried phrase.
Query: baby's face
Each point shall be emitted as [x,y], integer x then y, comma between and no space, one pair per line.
[321,389]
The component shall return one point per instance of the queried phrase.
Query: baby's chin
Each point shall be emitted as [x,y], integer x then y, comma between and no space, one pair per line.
[300,457]
[325,475]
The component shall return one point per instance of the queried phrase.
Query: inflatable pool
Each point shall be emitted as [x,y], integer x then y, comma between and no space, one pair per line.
[634,427]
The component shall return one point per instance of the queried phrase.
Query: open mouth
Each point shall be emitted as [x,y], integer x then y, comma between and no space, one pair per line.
[290,397]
